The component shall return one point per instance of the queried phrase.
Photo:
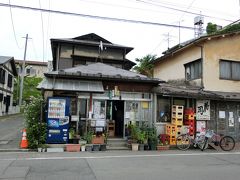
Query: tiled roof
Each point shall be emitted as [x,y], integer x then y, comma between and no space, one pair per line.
[4,59]
[100,70]
[195,92]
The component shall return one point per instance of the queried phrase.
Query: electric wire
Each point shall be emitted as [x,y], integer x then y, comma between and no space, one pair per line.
[13,27]
[180,10]
[97,17]
[189,6]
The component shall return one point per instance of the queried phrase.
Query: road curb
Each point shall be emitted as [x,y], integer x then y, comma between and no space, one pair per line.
[16,150]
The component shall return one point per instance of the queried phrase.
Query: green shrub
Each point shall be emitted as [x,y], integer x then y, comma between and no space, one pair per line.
[36,130]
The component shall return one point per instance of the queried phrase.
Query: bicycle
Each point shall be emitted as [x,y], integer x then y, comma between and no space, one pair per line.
[226,143]
[184,141]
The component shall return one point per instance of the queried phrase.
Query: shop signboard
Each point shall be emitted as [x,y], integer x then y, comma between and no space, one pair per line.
[203,110]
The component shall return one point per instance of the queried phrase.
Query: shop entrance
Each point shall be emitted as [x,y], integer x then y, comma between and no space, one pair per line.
[115,111]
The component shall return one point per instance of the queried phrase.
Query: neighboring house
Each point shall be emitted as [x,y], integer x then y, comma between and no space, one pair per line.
[33,68]
[94,74]
[7,74]
[208,69]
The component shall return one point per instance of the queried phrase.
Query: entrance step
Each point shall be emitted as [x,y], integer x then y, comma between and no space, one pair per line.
[117,144]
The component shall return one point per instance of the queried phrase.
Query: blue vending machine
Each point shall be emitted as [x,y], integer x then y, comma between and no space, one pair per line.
[58,112]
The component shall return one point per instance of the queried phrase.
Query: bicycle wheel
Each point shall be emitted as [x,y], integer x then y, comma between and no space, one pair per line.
[227,143]
[205,144]
[183,142]
[200,142]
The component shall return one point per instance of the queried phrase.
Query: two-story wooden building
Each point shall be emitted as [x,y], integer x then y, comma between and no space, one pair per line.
[95,74]
[203,70]
[7,74]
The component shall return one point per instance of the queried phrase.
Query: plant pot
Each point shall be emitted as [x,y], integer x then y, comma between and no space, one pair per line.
[146,147]
[152,146]
[96,147]
[83,148]
[98,140]
[73,147]
[141,147]
[82,142]
[162,148]
[103,147]
[135,146]
[89,147]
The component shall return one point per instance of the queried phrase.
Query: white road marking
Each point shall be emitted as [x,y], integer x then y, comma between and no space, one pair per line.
[119,156]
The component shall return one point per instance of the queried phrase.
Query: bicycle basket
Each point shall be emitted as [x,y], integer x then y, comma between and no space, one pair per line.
[209,134]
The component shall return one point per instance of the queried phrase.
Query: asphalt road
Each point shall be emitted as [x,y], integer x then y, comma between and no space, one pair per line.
[10,131]
[121,165]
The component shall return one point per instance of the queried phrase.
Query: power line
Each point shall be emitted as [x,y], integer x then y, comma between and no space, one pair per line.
[13,27]
[180,10]
[97,17]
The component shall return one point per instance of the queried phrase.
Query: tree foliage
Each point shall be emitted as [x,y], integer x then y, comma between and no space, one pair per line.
[145,65]
[36,130]
[211,28]
[29,88]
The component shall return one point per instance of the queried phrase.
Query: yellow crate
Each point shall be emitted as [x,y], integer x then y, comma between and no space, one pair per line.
[172,141]
[177,108]
[177,121]
[178,115]
[170,129]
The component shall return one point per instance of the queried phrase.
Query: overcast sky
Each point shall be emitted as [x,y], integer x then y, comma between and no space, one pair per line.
[144,38]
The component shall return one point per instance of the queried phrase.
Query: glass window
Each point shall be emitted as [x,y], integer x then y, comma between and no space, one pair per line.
[2,76]
[193,70]
[229,70]
[164,109]
[83,108]
[10,80]
[99,109]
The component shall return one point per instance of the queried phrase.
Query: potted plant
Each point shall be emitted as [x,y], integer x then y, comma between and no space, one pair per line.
[152,138]
[141,139]
[163,142]
[135,131]
[88,137]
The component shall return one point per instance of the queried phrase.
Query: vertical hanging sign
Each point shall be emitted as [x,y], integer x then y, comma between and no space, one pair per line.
[203,110]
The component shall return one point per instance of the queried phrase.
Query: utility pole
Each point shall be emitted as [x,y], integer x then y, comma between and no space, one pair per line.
[23,71]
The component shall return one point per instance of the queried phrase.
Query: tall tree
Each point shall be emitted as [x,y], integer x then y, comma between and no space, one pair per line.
[211,28]
[145,65]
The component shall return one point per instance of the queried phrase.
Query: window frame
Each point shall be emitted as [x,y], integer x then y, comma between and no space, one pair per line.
[231,70]
[2,75]
[10,81]
[192,67]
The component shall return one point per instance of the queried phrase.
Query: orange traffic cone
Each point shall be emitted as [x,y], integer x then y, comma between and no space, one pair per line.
[24,142]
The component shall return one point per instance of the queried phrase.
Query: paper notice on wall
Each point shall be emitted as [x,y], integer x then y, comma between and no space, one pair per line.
[127,115]
[231,122]
[222,114]
[145,105]
[231,119]
[201,127]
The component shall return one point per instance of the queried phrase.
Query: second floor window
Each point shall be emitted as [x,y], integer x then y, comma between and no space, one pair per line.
[193,70]
[2,76]
[229,70]
[9,80]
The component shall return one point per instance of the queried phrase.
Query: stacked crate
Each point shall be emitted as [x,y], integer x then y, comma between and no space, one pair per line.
[189,120]
[174,129]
